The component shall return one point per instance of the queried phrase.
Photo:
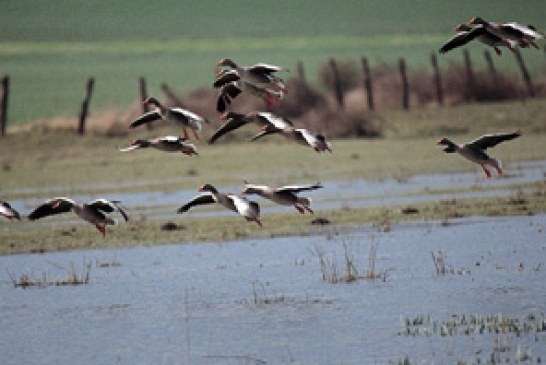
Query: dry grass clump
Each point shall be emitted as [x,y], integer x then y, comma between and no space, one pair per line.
[348,73]
[487,86]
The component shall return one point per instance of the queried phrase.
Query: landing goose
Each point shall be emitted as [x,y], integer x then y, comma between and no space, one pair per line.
[261,75]
[231,85]
[272,124]
[92,212]
[469,33]
[250,210]
[284,195]
[166,144]
[523,34]
[179,115]
[301,136]
[7,211]
[475,150]
[236,120]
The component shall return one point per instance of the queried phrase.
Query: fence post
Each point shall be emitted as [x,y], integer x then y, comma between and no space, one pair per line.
[85,105]
[301,73]
[171,95]
[525,74]
[437,79]
[4,105]
[405,85]
[144,96]
[490,64]
[368,83]
[469,76]
[337,83]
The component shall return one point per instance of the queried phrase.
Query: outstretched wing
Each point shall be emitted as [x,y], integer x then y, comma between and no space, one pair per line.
[51,207]
[148,117]
[226,78]
[230,125]
[265,68]
[7,211]
[275,121]
[204,198]
[108,206]
[462,38]
[227,93]
[491,140]
[298,188]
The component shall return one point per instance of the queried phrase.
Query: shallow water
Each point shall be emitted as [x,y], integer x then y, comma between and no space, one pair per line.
[356,193]
[184,304]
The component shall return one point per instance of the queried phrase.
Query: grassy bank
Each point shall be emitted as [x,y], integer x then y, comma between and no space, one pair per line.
[141,231]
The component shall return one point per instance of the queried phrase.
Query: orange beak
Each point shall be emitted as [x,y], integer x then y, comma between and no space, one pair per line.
[439,141]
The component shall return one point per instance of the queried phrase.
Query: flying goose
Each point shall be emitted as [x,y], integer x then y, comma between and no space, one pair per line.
[475,150]
[301,136]
[166,144]
[250,210]
[468,33]
[523,34]
[179,115]
[236,120]
[284,195]
[7,211]
[92,212]
[231,85]
[260,74]
[272,124]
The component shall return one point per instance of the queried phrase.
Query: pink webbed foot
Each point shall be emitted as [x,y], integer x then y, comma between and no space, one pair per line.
[300,209]
[487,173]
[102,230]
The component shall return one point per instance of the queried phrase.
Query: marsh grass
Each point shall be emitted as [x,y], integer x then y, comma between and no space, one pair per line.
[74,277]
[349,272]
[260,295]
[440,264]
[505,332]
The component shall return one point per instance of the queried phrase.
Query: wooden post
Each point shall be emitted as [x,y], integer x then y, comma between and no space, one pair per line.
[85,105]
[4,105]
[301,73]
[405,85]
[368,83]
[525,74]
[437,79]
[490,64]
[337,83]
[171,95]
[144,96]
[469,76]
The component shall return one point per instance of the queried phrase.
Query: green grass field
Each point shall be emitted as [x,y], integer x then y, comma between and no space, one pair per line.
[49,50]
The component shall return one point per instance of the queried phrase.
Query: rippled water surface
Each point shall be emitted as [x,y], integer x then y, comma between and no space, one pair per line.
[265,301]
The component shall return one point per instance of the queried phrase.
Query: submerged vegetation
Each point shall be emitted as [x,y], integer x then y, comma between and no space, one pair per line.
[74,277]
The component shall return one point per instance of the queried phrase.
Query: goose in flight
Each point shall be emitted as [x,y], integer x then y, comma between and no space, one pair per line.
[178,115]
[93,212]
[284,195]
[475,150]
[250,210]
[165,144]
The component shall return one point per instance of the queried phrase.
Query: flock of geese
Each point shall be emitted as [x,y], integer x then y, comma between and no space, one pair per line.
[260,81]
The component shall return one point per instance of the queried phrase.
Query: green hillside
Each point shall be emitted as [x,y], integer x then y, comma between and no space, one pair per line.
[50,48]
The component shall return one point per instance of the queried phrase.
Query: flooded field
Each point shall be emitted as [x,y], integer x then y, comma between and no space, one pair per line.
[356,193]
[471,290]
